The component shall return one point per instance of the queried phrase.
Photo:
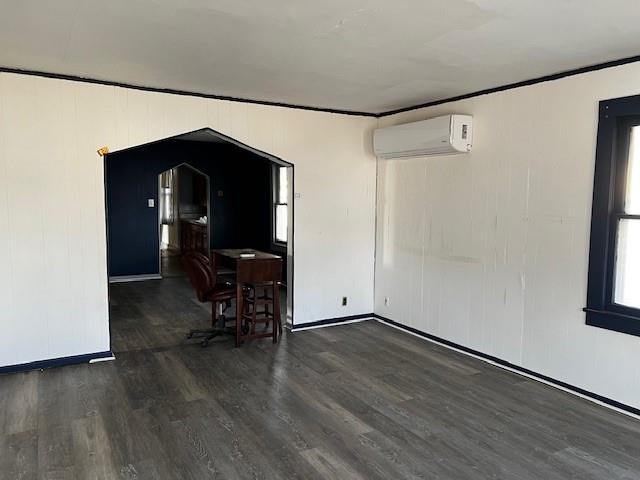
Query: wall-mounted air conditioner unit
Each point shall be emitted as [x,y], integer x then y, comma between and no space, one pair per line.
[444,135]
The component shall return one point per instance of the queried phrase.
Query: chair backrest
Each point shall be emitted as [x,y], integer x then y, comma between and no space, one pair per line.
[200,272]
[209,263]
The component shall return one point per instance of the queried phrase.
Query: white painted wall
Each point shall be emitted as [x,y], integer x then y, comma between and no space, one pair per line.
[490,249]
[53,279]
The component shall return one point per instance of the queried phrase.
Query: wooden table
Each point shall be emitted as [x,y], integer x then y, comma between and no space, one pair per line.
[260,268]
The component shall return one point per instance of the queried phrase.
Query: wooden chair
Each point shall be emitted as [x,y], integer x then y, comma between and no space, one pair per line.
[202,276]
[262,308]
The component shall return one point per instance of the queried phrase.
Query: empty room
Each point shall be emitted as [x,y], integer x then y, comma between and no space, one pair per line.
[319,240]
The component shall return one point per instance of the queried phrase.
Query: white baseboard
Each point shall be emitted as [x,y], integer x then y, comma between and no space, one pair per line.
[302,327]
[134,278]
[102,359]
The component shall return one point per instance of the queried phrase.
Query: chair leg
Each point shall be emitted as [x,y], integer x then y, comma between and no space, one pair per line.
[211,335]
[217,327]
[198,333]
[239,307]
[276,311]
[254,312]
[246,310]
[206,335]
[280,312]
[267,306]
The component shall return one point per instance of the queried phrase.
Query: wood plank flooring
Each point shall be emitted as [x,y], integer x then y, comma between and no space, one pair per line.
[360,401]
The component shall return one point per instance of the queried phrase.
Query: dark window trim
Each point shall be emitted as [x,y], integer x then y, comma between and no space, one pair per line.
[615,119]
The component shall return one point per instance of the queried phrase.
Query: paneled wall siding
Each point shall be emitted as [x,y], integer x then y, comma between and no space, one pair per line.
[53,276]
[490,249]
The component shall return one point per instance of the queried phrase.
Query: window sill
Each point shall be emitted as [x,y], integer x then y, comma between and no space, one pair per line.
[617,322]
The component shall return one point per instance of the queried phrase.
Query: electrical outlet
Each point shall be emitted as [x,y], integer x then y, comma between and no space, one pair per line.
[344,301]
[151,202]
[386,301]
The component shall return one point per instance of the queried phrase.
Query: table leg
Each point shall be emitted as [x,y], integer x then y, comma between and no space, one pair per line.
[239,307]
[276,311]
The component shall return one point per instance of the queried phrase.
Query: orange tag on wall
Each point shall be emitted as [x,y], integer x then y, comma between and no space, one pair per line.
[103,151]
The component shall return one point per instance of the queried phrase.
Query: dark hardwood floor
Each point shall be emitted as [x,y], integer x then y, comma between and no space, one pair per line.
[171,263]
[360,401]
[155,314]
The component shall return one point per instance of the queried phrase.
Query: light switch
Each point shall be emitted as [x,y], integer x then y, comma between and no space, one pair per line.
[151,202]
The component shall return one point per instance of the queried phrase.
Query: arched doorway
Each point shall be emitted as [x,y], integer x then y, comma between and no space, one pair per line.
[183,216]
[249,205]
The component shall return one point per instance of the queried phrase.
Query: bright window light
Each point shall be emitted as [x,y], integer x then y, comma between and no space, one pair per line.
[281,208]
[627,266]
[283,185]
[632,202]
[627,279]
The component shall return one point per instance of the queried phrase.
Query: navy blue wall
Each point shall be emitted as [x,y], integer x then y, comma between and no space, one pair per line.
[240,218]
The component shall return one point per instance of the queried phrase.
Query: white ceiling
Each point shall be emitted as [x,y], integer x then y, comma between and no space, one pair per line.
[362,55]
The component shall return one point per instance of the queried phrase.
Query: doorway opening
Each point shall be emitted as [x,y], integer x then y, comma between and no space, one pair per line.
[198,191]
[183,216]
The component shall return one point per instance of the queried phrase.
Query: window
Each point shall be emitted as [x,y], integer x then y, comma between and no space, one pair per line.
[613,297]
[280,212]
[166,200]
[627,263]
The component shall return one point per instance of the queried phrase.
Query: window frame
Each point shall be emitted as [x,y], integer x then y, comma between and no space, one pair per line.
[616,117]
[276,202]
